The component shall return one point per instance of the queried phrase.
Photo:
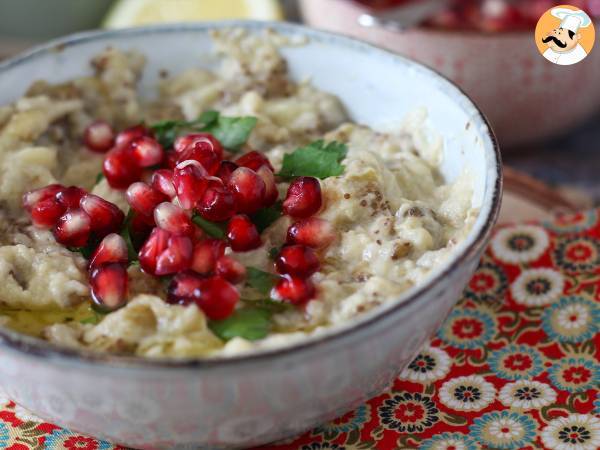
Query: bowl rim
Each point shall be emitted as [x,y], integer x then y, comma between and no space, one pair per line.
[41,349]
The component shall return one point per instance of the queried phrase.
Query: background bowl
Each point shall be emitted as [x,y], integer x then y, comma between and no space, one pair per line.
[525,97]
[250,400]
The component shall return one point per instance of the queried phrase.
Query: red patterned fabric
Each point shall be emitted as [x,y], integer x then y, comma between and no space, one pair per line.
[515,366]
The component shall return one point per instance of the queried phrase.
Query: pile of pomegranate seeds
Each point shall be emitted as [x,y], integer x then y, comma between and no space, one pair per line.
[187,206]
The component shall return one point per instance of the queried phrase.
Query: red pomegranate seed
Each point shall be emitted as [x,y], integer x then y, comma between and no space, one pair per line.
[303,197]
[120,169]
[70,197]
[248,189]
[99,136]
[46,213]
[184,288]
[152,248]
[217,298]
[125,137]
[189,179]
[242,234]
[173,219]
[143,198]
[226,168]
[271,192]
[176,257]
[112,249]
[146,152]
[162,181]
[254,160]
[230,269]
[141,226]
[218,203]
[106,216]
[31,198]
[206,254]
[294,290]
[172,159]
[312,232]
[297,260]
[108,284]
[201,147]
[73,228]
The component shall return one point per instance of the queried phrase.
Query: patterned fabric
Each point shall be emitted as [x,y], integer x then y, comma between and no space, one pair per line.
[515,366]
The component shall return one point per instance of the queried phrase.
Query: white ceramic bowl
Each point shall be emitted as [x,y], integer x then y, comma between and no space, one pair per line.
[525,97]
[250,400]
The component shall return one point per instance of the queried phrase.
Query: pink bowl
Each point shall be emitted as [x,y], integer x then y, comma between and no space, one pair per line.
[525,97]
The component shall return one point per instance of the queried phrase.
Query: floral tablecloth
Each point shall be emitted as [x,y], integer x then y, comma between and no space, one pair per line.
[515,366]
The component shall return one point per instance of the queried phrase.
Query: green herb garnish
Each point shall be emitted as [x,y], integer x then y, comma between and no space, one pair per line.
[95,319]
[260,280]
[132,254]
[99,178]
[250,323]
[213,229]
[273,252]
[318,159]
[87,251]
[266,216]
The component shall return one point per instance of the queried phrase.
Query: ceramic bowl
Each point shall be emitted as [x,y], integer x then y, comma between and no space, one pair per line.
[254,399]
[503,72]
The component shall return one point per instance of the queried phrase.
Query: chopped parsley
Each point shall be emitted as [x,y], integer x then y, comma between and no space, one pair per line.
[250,323]
[317,159]
[213,229]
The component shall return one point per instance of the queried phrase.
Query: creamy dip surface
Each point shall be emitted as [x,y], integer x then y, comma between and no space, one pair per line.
[394,217]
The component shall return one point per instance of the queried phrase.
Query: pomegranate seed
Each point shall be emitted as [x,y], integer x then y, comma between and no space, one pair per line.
[46,213]
[120,169]
[312,232]
[184,288]
[206,254]
[189,179]
[162,181]
[106,216]
[248,189]
[125,137]
[254,160]
[141,226]
[271,192]
[226,168]
[99,136]
[297,260]
[70,197]
[143,198]
[172,159]
[73,228]
[303,197]
[294,290]
[112,249]
[152,248]
[242,234]
[146,152]
[217,298]
[230,269]
[201,147]
[173,219]
[176,257]
[31,198]
[218,203]
[108,284]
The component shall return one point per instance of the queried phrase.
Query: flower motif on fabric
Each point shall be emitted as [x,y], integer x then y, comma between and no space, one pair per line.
[430,364]
[487,284]
[526,394]
[573,223]
[520,244]
[4,435]
[322,446]
[515,362]
[469,393]
[449,441]
[66,440]
[575,374]
[537,287]
[575,432]
[408,412]
[577,254]
[573,319]
[353,420]
[504,430]
[468,328]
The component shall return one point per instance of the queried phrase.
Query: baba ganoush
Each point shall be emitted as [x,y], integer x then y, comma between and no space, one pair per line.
[237,210]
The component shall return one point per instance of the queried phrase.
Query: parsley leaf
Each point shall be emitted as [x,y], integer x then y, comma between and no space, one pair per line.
[317,159]
[266,216]
[213,229]
[260,280]
[132,254]
[99,178]
[248,323]
[94,319]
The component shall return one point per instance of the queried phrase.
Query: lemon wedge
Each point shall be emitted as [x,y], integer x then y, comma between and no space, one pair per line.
[131,13]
